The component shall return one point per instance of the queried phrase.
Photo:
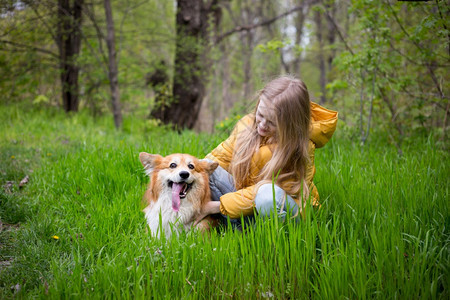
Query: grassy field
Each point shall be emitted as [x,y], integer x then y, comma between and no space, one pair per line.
[76,229]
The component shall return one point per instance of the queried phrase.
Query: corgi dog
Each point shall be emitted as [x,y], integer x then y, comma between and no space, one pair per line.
[178,189]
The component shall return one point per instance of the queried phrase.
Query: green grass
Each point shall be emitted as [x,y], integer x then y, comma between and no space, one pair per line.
[382,231]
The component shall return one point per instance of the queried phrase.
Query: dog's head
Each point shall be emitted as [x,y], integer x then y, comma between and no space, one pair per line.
[182,175]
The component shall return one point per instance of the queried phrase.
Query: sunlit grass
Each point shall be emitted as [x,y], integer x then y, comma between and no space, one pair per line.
[382,231]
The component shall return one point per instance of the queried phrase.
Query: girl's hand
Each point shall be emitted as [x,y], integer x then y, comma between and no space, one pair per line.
[211,207]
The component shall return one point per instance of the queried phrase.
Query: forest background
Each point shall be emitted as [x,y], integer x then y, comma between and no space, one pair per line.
[88,84]
[381,64]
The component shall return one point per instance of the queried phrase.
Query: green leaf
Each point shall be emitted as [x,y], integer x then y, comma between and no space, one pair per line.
[41,99]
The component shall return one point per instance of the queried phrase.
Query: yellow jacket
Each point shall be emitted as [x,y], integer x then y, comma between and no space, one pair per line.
[241,202]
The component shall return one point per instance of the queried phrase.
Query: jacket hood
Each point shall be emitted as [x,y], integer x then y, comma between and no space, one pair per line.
[323,124]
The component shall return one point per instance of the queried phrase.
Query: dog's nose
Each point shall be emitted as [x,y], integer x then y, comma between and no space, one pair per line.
[184,174]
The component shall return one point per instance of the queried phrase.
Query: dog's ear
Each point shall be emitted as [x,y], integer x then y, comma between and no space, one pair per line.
[209,166]
[149,161]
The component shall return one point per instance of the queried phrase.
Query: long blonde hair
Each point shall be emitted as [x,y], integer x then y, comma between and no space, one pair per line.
[290,100]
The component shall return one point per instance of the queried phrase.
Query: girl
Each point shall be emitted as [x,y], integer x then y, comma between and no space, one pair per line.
[275,142]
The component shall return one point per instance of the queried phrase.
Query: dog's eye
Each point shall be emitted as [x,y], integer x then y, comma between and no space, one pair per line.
[173,165]
[191,166]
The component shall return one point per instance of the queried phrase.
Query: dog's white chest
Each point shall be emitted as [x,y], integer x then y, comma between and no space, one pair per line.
[162,213]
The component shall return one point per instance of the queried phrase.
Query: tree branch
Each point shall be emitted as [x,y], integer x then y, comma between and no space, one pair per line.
[22,46]
[253,26]
[51,32]
[100,37]
[374,76]
[127,11]
[430,69]
[444,25]
[338,30]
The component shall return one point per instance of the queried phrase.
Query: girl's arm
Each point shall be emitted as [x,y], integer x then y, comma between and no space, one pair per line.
[242,202]
[210,208]
[238,203]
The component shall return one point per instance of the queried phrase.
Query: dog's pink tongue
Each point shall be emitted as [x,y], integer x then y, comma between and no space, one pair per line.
[176,190]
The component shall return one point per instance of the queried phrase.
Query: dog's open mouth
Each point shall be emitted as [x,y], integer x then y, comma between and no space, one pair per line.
[179,191]
[180,188]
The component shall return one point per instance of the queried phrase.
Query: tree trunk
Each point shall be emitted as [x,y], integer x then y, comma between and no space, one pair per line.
[112,66]
[69,42]
[331,7]
[322,79]
[299,26]
[247,52]
[189,79]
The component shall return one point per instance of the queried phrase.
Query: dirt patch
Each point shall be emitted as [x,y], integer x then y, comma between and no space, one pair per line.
[5,230]
[8,227]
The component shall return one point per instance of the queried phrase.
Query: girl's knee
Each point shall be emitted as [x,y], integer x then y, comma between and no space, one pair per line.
[264,199]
